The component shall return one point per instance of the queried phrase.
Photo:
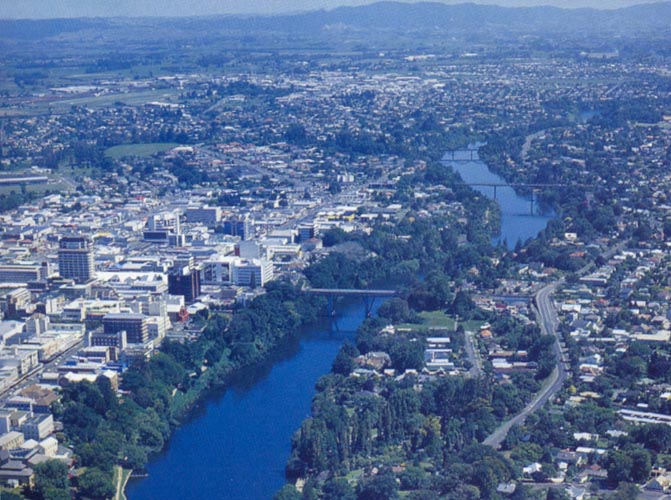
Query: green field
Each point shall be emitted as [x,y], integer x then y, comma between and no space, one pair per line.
[142,150]
[438,319]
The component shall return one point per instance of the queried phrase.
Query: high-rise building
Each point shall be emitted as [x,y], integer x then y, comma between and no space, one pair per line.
[184,279]
[164,228]
[75,258]
[135,326]
[239,226]
[306,232]
[252,272]
[203,214]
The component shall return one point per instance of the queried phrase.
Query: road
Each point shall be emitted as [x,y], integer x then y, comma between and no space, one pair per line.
[548,321]
[473,355]
[33,376]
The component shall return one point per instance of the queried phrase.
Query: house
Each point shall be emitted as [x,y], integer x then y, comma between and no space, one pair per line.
[660,483]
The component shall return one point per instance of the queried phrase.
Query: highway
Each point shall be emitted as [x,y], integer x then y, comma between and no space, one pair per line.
[548,321]
[546,315]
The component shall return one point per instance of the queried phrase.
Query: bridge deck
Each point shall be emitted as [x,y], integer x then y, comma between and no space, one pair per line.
[523,184]
[345,292]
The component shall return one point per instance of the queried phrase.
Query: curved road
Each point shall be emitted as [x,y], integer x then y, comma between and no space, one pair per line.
[548,321]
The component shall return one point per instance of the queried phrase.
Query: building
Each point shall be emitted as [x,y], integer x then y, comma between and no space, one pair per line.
[75,258]
[11,440]
[41,398]
[135,326]
[252,272]
[217,270]
[165,228]
[22,273]
[16,303]
[166,221]
[185,284]
[204,215]
[306,232]
[37,324]
[184,279]
[24,360]
[38,427]
[239,226]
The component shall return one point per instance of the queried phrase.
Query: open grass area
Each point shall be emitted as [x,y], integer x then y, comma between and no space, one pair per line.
[142,150]
[55,185]
[63,104]
[430,320]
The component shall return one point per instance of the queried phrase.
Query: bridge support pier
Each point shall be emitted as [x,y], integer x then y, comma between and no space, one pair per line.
[331,305]
[368,303]
[534,195]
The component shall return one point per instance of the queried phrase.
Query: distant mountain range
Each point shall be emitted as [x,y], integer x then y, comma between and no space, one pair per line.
[388,17]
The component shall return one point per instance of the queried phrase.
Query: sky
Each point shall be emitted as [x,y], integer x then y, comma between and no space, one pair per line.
[104,8]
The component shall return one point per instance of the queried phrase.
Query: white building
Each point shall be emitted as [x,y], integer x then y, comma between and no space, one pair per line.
[252,272]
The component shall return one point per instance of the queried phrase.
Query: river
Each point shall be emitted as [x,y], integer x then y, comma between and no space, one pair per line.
[520,219]
[236,445]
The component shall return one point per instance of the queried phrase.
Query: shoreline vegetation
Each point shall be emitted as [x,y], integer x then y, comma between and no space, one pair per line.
[161,393]
[424,255]
[247,337]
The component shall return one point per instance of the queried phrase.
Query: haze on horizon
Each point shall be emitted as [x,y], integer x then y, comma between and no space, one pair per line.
[46,9]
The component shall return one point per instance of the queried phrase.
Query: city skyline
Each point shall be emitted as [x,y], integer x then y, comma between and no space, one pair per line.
[45,9]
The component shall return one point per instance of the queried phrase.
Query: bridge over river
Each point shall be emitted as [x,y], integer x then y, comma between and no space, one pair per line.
[368,296]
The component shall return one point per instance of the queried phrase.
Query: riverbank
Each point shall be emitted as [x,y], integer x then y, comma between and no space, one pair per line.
[121,477]
[249,422]
[521,218]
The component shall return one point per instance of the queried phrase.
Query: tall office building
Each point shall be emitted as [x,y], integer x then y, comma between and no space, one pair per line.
[239,225]
[203,214]
[165,228]
[184,279]
[252,272]
[75,258]
[135,326]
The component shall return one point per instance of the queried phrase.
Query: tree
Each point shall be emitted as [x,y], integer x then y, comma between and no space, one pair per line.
[380,487]
[96,484]
[53,494]
[656,437]
[395,310]
[343,363]
[462,305]
[619,466]
[407,354]
[641,464]
[626,491]
[557,494]
[288,492]
[134,457]
[11,495]
[51,474]
[334,236]
[413,478]
[338,489]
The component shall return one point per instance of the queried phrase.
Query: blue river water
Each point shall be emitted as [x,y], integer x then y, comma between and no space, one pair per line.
[520,218]
[236,445]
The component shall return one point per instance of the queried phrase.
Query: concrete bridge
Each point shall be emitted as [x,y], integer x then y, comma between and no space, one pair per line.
[534,186]
[368,296]
[462,155]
